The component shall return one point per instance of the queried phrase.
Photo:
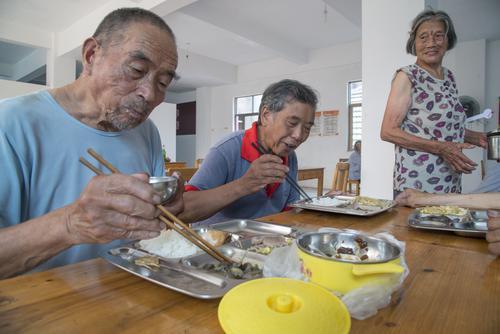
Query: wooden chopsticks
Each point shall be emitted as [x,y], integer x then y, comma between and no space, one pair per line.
[174,222]
[258,146]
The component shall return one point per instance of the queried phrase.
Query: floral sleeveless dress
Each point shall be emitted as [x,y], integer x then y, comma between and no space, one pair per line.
[435,114]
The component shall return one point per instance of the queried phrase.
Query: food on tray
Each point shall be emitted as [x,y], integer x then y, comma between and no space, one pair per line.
[214,237]
[171,244]
[265,245]
[150,262]
[371,202]
[329,201]
[236,270]
[444,210]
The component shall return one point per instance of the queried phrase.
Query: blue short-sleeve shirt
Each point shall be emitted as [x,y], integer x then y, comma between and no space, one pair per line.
[229,160]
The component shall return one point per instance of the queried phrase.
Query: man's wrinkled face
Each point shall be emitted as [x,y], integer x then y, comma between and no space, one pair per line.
[131,75]
[285,130]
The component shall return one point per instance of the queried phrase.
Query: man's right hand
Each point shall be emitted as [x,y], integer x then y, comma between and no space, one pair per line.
[452,153]
[114,207]
[267,169]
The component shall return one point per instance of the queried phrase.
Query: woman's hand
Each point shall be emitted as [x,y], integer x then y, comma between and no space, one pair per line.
[476,138]
[452,153]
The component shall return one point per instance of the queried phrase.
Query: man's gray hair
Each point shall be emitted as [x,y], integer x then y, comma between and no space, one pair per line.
[279,94]
[114,24]
[428,15]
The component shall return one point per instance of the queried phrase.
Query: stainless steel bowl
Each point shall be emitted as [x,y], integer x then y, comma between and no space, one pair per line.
[164,185]
[493,144]
[325,245]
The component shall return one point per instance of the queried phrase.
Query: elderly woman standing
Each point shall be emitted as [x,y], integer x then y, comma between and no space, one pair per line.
[423,116]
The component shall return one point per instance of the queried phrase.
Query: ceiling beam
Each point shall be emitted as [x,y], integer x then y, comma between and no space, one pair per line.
[205,11]
[73,37]
[350,9]
[24,35]
[196,65]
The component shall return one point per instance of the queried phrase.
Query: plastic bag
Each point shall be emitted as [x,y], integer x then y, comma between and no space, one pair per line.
[284,262]
[363,302]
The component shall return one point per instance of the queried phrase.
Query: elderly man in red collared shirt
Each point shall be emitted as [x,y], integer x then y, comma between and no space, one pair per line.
[235,181]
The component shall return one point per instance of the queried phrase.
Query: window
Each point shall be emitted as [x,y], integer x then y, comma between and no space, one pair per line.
[355,99]
[246,111]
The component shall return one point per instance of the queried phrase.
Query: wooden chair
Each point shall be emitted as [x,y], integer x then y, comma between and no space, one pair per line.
[198,162]
[340,177]
[353,182]
[186,172]
[174,164]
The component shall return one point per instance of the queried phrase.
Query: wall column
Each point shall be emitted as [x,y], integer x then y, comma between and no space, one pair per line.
[61,70]
[385,27]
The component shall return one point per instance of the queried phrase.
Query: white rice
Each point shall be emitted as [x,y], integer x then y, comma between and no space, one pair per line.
[169,244]
[327,201]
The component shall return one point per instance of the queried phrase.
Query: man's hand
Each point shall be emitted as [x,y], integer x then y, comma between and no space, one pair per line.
[452,153]
[493,235]
[113,207]
[267,169]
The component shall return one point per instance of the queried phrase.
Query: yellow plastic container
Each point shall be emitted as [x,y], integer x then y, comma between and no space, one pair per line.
[344,276]
[282,305]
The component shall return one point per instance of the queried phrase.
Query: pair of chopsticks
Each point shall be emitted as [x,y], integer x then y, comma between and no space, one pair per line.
[174,222]
[258,146]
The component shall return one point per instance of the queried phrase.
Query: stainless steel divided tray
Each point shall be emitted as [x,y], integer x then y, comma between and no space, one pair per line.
[247,228]
[347,210]
[183,276]
[475,226]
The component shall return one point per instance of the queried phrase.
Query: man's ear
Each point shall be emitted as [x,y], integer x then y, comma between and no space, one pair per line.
[89,49]
[266,116]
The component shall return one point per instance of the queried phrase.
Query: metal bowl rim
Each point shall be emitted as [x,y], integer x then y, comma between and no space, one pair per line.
[160,179]
[297,241]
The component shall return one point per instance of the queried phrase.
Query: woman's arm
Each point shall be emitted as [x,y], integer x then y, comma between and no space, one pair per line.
[398,104]
[415,198]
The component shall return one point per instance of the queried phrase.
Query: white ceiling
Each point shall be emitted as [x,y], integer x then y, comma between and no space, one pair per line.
[49,15]
[228,33]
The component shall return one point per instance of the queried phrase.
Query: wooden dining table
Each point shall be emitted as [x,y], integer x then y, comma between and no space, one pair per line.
[453,287]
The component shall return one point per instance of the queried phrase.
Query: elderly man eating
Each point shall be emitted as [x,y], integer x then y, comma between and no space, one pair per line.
[235,181]
[53,210]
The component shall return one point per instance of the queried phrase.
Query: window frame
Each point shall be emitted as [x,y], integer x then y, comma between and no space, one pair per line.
[351,107]
[235,110]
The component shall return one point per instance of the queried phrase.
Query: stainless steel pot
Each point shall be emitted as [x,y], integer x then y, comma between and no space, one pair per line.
[493,144]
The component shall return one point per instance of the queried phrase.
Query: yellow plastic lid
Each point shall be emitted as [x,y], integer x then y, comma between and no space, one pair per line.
[282,305]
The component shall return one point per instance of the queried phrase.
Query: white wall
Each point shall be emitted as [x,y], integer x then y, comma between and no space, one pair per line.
[13,88]
[328,72]
[186,149]
[384,43]
[493,81]
[164,117]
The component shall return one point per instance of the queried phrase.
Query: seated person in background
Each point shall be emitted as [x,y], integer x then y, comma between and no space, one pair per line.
[235,181]
[415,198]
[355,162]
[491,181]
[54,211]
